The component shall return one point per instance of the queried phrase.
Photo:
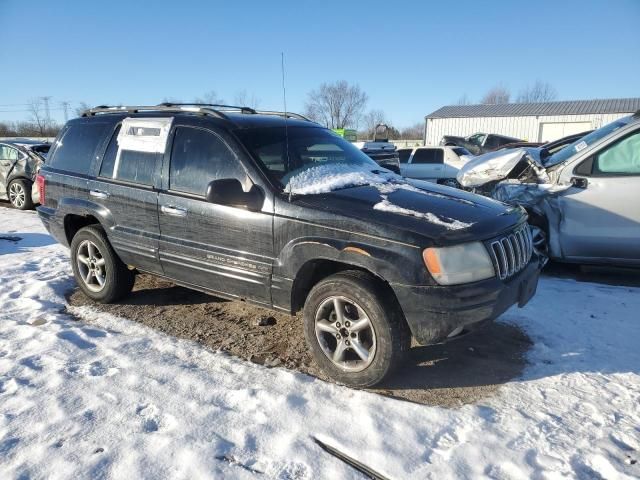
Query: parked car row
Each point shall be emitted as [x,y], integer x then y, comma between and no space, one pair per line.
[274,209]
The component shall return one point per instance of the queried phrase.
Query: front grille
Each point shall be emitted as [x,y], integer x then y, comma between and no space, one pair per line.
[512,252]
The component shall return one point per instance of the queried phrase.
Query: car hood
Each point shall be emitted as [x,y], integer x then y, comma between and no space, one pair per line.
[416,211]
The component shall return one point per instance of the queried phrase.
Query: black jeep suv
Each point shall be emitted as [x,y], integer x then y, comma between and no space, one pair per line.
[274,209]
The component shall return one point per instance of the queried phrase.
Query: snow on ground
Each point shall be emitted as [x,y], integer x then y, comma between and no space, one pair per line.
[108,398]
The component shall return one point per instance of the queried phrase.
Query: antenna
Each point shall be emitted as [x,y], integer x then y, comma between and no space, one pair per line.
[286,127]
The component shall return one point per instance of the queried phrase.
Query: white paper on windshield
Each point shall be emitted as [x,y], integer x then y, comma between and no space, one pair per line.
[581,146]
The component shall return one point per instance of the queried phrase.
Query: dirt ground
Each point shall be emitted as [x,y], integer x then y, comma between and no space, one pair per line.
[463,371]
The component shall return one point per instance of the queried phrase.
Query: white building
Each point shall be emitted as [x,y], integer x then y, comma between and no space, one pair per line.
[534,122]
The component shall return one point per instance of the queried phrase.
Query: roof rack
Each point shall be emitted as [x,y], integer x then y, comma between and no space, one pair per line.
[213,109]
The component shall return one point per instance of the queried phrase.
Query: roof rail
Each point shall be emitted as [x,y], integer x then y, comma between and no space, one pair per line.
[152,108]
[213,109]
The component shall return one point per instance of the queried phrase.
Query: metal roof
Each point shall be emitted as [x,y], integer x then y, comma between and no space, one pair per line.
[573,107]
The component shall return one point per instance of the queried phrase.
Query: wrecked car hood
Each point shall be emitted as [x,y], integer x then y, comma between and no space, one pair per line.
[441,214]
[496,166]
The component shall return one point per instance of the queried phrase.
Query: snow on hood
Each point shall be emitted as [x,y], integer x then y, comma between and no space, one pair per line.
[494,166]
[326,178]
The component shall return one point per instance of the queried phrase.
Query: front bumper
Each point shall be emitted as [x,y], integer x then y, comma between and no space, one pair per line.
[436,312]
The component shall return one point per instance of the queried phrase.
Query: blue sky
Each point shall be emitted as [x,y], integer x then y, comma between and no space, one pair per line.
[410,57]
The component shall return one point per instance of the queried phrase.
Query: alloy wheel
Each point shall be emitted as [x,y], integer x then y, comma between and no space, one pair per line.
[345,333]
[17,195]
[91,266]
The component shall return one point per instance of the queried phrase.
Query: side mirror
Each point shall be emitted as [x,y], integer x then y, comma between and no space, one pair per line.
[579,182]
[229,191]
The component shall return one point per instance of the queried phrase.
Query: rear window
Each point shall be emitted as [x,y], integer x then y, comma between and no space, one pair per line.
[404,155]
[75,149]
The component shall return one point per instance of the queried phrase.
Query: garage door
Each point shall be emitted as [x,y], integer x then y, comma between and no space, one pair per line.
[553,131]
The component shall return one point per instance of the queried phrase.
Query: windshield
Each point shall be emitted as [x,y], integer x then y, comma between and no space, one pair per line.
[309,147]
[477,138]
[586,141]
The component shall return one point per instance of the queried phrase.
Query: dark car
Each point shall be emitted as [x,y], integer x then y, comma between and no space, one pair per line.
[283,213]
[479,143]
[20,160]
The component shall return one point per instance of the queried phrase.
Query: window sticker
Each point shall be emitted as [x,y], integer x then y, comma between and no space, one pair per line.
[147,135]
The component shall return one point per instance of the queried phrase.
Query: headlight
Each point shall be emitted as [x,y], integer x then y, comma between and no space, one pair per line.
[464,263]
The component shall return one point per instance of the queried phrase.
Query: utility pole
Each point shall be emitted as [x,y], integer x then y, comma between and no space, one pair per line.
[65,108]
[47,112]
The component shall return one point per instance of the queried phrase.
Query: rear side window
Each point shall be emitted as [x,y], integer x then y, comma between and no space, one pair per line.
[8,153]
[74,151]
[109,158]
[404,155]
[198,157]
[128,165]
[428,155]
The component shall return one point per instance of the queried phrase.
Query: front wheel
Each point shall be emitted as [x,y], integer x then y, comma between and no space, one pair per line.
[355,333]
[20,194]
[98,270]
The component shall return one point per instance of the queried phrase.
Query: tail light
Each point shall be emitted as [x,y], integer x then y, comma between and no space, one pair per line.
[40,182]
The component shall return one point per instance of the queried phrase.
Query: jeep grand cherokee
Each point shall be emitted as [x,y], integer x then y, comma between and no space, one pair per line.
[274,209]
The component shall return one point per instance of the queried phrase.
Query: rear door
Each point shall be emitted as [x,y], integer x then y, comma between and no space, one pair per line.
[221,248]
[126,188]
[601,213]
[426,164]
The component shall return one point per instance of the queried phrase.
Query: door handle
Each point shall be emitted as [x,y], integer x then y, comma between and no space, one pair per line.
[98,194]
[175,211]
[579,182]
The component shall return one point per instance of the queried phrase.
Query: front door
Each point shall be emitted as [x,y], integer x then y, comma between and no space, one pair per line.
[221,248]
[601,213]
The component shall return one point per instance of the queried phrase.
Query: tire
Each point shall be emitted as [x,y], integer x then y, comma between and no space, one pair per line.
[449,182]
[386,340]
[19,193]
[91,250]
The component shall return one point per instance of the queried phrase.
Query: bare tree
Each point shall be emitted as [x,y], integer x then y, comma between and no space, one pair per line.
[210,97]
[336,105]
[414,132]
[82,106]
[243,99]
[38,117]
[539,92]
[497,94]
[464,100]
[371,119]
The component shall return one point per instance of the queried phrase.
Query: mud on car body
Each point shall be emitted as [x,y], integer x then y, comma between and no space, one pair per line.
[20,160]
[276,210]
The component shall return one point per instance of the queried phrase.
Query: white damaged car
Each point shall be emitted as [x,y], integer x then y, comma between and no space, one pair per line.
[583,201]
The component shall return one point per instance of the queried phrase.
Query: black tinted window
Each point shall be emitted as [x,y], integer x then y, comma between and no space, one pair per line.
[404,155]
[74,151]
[109,159]
[428,155]
[197,158]
[136,167]
[461,151]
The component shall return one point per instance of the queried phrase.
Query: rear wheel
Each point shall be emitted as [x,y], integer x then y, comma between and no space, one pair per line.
[98,270]
[356,335]
[20,194]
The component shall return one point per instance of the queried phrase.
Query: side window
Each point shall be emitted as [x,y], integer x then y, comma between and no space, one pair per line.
[493,142]
[136,167]
[75,149]
[428,155]
[198,157]
[621,158]
[109,158]
[404,155]
[8,153]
